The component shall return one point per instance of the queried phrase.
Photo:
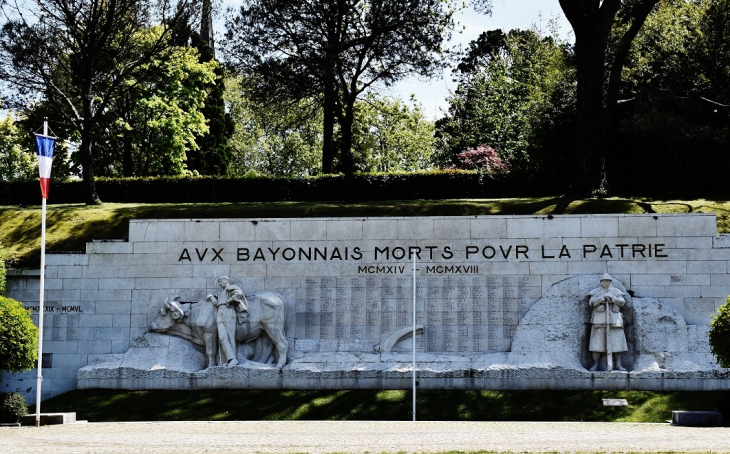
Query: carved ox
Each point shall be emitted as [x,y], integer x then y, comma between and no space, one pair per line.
[197,323]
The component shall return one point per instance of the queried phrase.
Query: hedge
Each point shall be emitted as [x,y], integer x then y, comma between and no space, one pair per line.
[444,184]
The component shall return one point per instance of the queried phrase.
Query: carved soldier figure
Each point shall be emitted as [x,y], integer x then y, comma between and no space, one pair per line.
[231,307]
[607,331]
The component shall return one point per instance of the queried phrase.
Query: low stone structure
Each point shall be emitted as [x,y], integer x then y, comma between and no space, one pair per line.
[502,302]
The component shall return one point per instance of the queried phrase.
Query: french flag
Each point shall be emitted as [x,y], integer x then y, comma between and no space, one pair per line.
[44,147]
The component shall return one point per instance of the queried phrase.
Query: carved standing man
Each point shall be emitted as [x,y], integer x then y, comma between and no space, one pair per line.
[231,307]
[607,302]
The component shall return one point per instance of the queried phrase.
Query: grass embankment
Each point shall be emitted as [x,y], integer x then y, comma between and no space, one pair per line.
[236,405]
[71,226]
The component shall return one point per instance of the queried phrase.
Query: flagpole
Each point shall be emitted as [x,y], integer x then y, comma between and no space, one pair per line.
[39,369]
[414,337]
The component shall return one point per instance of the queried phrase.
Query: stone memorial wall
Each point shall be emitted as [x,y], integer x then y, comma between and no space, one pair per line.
[502,302]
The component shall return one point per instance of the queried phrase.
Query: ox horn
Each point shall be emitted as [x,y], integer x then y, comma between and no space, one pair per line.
[165,307]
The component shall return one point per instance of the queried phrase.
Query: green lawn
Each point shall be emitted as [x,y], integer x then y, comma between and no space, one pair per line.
[71,226]
[235,405]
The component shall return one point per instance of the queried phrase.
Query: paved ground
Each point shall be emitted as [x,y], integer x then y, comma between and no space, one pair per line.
[359,437]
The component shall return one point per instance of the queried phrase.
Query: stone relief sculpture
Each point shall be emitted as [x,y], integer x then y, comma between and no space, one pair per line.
[231,309]
[238,327]
[607,330]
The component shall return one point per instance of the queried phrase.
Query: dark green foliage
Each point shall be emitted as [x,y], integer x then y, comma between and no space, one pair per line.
[443,184]
[12,407]
[214,154]
[18,337]
[719,335]
[2,272]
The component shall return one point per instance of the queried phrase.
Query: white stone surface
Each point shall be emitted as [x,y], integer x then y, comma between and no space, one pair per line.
[532,324]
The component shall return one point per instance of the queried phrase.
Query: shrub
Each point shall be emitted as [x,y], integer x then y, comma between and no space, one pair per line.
[18,337]
[720,334]
[12,407]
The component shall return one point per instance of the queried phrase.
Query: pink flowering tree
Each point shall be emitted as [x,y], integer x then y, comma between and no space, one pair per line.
[484,158]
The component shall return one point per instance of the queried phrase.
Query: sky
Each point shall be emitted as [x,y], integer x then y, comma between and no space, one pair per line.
[506,15]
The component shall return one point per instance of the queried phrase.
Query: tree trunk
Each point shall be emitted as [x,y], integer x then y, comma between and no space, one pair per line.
[328,129]
[127,154]
[348,165]
[87,172]
[590,170]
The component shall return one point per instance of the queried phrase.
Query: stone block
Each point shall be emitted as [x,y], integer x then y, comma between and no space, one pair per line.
[116,283]
[269,230]
[49,284]
[692,279]
[687,225]
[109,247]
[68,272]
[561,227]
[626,267]
[160,230]
[308,230]
[707,267]
[721,241]
[49,419]
[202,230]
[699,311]
[121,320]
[548,267]
[650,280]
[169,271]
[715,291]
[599,226]
[64,346]
[95,321]
[711,254]
[524,227]
[111,334]
[637,225]
[415,229]
[697,418]
[488,228]
[102,271]
[150,247]
[143,283]
[66,260]
[587,267]
[344,229]
[667,267]
[451,228]
[115,307]
[81,284]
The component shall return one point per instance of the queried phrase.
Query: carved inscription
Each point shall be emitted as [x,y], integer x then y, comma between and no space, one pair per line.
[461,314]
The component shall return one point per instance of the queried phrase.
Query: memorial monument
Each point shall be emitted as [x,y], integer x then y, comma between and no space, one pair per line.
[501,302]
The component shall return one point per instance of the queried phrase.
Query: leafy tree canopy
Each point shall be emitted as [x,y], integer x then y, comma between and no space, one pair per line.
[18,337]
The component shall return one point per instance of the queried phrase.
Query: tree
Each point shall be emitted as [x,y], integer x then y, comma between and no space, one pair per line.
[510,87]
[153,128]
[719,335]
[391,136]
[213,153]
[16,162]
[18,337]
[676,114]
[334,51]
[78,55]
[592,22]
[282,143]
